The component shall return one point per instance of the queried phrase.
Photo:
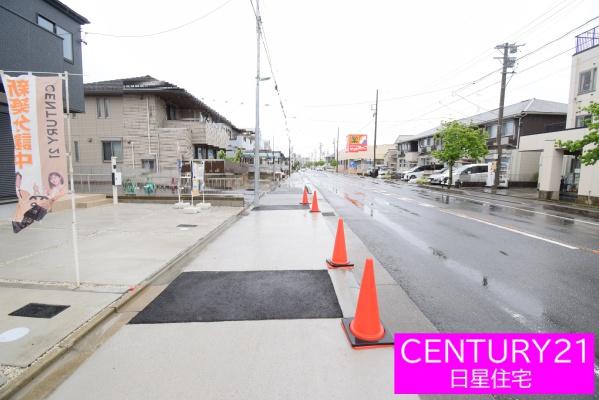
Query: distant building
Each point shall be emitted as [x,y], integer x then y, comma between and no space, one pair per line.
[37,36]
[242,140]
[523,119]
[363,160]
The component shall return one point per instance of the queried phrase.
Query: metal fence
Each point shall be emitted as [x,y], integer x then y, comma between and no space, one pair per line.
[152,184]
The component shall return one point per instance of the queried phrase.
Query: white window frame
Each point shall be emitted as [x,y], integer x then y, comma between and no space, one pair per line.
[592,78]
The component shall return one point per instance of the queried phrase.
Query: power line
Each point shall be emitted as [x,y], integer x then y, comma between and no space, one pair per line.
[557,39]
[272,72]
[193,21]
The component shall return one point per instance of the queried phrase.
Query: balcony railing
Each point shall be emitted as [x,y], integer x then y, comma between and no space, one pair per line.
[587,39]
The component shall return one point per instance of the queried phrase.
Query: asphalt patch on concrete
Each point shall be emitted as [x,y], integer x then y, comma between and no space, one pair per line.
[186,226]
[37,310]
[211,296]
[281,207]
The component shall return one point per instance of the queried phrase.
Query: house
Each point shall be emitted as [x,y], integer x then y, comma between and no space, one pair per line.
[270,162]
[561,175]
[354,162]
[240,140]
[523,119]
[37,36]
[390,158]
[147,124]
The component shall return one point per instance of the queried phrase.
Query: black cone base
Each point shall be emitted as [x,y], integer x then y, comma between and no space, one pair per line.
[359,344]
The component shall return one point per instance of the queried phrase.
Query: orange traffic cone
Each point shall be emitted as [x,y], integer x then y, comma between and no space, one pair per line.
[366,329]
[305,201]
[339,259]
[314,203]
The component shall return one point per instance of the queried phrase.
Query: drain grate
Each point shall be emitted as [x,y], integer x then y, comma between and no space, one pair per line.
[281,207]
[328,214]
[38,310]
[186,226]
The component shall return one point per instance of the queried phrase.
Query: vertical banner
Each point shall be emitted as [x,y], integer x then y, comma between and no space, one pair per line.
[197,176]
[37,123]
[357,143]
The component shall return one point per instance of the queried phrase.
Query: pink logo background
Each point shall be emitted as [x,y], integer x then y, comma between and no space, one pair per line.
[510,376]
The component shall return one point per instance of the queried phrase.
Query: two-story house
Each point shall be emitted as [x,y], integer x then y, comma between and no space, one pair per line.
[147,124]
[240,140]
[37,36]
[561,174]
[528,117]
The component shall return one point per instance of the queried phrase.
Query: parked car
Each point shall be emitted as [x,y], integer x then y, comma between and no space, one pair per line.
[437,177]
[402,174]
[385,173]
[423,170]
[469,175]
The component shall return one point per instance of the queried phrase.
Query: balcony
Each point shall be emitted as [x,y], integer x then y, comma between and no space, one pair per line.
[587,40]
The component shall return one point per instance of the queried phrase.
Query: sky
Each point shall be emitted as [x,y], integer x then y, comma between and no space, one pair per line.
[329,57]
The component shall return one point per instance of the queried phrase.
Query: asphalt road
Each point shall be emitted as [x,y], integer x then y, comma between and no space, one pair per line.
[474,264]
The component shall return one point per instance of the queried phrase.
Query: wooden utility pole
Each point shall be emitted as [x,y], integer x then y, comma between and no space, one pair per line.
[337,152]
[500,117]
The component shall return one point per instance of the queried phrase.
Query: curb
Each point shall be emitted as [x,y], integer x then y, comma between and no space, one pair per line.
[589,213]
[59,349]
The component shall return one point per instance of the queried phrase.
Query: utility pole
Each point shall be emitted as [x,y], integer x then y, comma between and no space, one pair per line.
[320,151]
[376,114]
[289,161]
[257,139]
[508,62]
[337,152]
[273,159]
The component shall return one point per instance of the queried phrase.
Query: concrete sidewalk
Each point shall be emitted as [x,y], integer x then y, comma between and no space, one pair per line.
[121,247]
[257,358]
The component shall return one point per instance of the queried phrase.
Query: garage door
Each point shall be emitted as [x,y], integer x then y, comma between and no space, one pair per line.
[7,162]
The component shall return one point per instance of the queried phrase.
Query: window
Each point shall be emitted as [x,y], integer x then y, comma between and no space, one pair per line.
[106,114]
[507,129]
[148,164]
[171,112]
[112,148]
[76,149]
[67,37]
[586,83]
[44,23]
[67,43]
[102,105]
[582,120]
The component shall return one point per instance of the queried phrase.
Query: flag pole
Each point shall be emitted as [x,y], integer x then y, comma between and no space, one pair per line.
[71,180]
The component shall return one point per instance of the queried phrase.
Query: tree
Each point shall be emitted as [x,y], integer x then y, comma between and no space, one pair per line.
[591,155]
[333,163]
[221,155]
[238,156]
[460,141]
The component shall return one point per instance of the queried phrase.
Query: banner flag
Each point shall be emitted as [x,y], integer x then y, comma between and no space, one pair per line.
[37,122]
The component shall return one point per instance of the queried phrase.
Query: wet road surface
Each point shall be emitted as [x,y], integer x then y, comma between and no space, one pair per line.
[476,264]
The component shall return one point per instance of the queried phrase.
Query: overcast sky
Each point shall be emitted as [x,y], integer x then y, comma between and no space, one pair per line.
[330,56]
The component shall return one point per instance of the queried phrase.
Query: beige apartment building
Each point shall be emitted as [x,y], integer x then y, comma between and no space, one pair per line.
[147,124]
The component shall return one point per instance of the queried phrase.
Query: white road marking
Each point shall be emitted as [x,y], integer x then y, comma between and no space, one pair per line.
[482,221]
[426,205]
[524,209]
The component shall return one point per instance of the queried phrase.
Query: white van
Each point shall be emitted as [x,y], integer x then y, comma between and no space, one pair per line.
[471,175]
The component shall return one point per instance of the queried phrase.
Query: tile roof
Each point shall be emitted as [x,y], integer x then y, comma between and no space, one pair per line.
[149,84]
[530,106]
